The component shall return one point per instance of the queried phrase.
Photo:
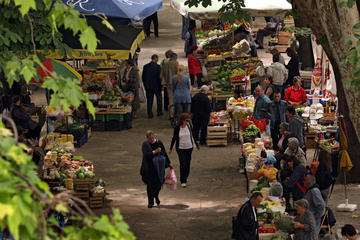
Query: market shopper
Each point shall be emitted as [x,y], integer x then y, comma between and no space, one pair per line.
[147,23]
[323,175]
[23,120]
[194,67]
[269,87]
[152,84]
[247,224]
[152,170]
[168,71]
[278,73]
[292,66]
[281,145]
[296,126]
[184,144]
[164,77]
[296,95]
[316,202]
[268,30]
[200,110]
[262,105]
[277,110]
[190,38]
[274,51]
[350,232]
[293,150]
[131,79]
[181,92]
[304,222]
[294,185]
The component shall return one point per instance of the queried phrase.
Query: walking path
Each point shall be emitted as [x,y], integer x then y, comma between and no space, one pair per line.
[215,189]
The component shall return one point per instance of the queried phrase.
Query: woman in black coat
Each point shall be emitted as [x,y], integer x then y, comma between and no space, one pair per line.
[183,138]
[292,66]
[153,173]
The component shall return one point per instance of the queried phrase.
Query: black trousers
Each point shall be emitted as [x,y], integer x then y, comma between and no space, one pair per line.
[185,160]
[147,22]
[275,134]
[199,77]
[150,100]
[152,192]
[200,126]
[166,99]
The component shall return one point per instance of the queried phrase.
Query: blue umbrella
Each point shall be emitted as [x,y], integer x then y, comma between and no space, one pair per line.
[131,9]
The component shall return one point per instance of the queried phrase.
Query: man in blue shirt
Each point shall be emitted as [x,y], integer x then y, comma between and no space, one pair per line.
[262,105]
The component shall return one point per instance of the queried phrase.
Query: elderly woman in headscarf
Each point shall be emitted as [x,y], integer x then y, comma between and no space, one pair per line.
[304,222]
[294,151]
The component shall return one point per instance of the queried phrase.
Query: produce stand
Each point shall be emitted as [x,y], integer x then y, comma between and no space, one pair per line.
[218,128]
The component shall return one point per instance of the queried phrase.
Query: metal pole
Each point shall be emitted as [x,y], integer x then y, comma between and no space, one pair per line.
[346,193]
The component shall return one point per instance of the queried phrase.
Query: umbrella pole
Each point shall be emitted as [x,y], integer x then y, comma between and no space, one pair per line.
[346,207]
[346,193]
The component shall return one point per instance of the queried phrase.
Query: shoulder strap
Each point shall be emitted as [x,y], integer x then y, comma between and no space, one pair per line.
[302,188]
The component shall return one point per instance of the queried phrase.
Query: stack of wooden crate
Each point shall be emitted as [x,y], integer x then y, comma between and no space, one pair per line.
[217,135]
[97,200]
[82,188]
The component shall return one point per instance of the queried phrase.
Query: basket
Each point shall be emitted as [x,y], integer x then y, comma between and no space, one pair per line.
[261,124]
[245,123]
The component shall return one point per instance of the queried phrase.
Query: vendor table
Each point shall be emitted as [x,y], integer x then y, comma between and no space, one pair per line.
[216,98]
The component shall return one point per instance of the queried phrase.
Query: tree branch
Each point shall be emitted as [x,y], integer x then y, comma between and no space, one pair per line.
[32,33]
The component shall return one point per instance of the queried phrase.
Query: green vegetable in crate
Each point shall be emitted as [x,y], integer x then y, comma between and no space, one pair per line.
[100,182]
[251,131]
[277,238]
[276,189]
[285,224]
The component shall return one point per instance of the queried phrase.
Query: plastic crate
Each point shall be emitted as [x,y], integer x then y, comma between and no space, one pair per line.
[99,117]
[113,125]
[97,126]
[117,117]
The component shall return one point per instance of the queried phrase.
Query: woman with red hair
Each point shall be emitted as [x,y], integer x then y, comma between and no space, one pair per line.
[184,144]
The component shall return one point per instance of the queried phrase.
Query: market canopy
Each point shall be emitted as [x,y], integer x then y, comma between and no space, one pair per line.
[256,8]
[120,44]
[132,9]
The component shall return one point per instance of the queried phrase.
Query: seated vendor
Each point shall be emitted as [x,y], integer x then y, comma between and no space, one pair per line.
[295,95]
[23,120]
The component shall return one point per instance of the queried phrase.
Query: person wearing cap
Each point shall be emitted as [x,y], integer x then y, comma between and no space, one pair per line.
[278,73]
[296,95]
[277,111]
[194,66]
[164,75]
[200,110]
[296,126]
[152,84]
[262,105]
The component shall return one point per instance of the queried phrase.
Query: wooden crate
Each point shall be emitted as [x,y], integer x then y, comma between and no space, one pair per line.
[82,194]
[310,140]
[84,184]
[96,202]
[217,136]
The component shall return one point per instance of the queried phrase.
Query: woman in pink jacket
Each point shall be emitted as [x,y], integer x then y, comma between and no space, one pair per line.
[194,67]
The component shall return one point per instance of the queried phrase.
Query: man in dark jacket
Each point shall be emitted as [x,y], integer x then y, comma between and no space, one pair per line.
[247,223]
[152,83]
[296,126]
[277,110]
[200,109]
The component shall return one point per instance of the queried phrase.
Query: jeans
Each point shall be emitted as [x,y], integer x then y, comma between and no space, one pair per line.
[150,100]
[181,108]
[152,192]
[185,160]
[317,225]
[200,124]
[166,99]
[147,22]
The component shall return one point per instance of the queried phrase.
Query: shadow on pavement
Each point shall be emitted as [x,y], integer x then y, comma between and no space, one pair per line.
[175,206]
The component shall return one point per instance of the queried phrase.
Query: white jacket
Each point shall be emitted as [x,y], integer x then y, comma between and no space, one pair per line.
[278,72]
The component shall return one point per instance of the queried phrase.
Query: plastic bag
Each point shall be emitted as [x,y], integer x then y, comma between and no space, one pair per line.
[170,179]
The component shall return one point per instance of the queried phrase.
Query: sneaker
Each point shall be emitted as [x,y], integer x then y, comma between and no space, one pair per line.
[183,185]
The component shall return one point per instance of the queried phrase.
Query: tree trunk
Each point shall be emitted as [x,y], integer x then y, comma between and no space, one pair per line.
[327,20]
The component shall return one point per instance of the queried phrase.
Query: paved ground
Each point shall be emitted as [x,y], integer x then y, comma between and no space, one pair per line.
[215,190]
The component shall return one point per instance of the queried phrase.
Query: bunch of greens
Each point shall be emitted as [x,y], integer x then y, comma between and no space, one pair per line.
[251,131]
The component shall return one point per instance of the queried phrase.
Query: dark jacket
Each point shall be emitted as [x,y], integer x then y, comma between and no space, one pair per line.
[316,202]
[296,129]
[148,172]
[296,179]
[284,144]
[20,117]
[282,108]
[248,225]
[323,177]
[309,231]
[200,106]
[293,70]
[175,138]
[151,77]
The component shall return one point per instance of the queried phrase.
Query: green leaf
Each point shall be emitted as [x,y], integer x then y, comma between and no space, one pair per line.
[108,25]
[356,26]
[343,5]
[61,208]
[88,39]
[6,210]
[25,5]
[348,41]
[350,3]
